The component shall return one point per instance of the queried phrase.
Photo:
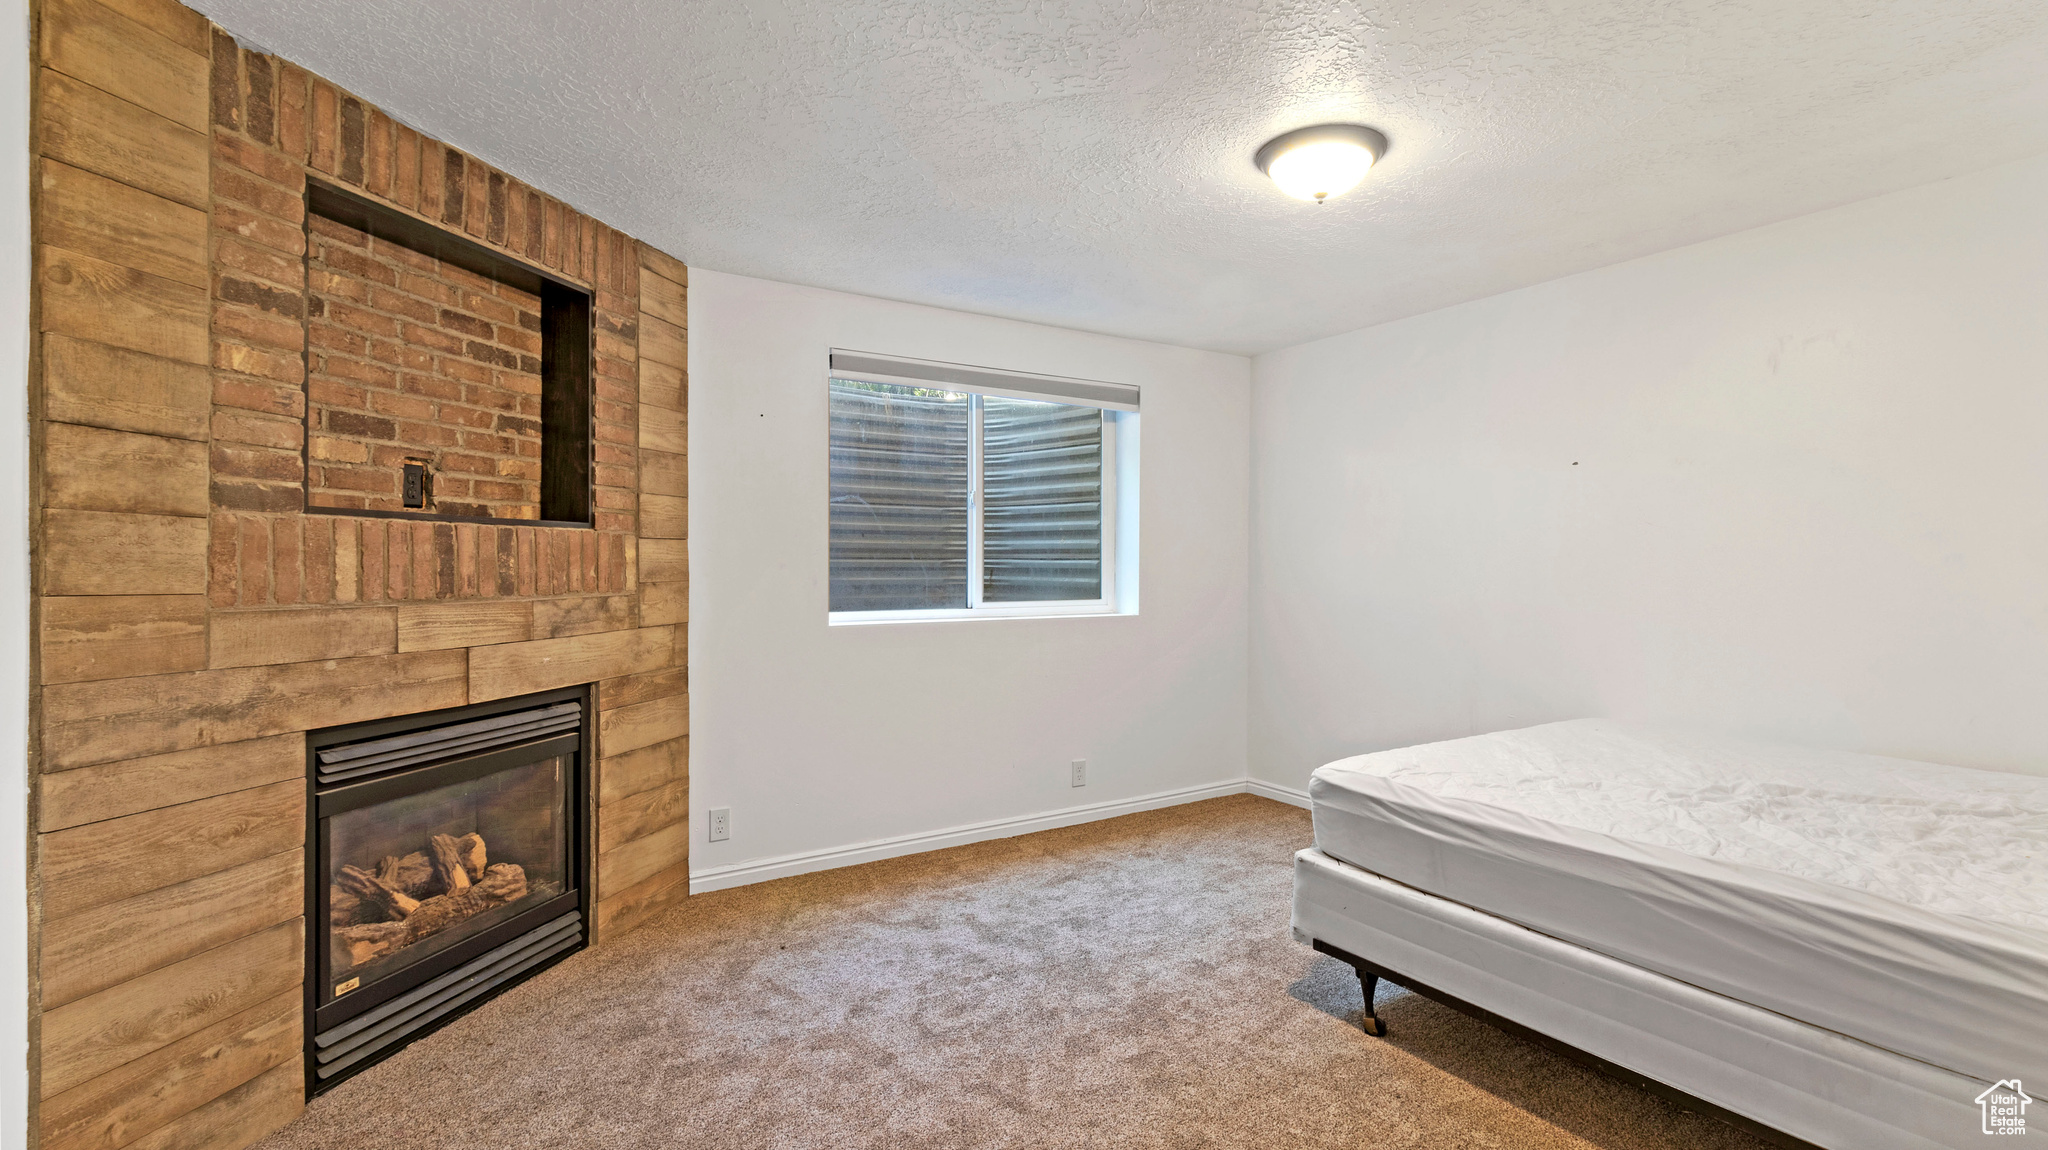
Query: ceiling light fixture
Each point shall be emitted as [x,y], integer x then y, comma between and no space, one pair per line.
[1317,163]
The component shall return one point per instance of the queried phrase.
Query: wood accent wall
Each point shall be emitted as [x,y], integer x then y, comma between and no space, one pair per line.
[193,622]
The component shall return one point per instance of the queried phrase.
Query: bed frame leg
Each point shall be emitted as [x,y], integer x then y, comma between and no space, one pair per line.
[1368,981]
[1371,1022]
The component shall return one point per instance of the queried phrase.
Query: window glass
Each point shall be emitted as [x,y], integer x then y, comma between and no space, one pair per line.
[899,497]
[1042,501]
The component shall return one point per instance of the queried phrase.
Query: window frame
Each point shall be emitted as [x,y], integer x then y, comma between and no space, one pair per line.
[1107,604]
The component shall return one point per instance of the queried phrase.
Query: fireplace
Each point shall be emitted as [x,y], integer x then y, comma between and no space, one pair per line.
[448,863]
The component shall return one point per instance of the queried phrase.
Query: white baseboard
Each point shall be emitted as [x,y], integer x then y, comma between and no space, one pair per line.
[761,870]
[1277,793]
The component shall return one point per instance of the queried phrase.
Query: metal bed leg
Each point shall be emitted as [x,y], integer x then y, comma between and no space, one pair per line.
[1368,981]
[1371,1023]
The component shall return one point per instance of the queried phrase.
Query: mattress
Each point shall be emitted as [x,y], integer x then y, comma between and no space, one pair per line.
[1898,903]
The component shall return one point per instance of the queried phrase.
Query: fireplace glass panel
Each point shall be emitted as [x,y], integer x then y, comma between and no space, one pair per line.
[413,876]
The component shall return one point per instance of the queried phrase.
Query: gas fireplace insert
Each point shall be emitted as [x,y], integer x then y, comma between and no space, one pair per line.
[448,860]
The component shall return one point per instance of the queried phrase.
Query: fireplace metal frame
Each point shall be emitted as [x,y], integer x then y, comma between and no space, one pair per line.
[580,789]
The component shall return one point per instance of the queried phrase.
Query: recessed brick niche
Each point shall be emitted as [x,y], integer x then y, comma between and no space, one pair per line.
[411,359]
[203,598]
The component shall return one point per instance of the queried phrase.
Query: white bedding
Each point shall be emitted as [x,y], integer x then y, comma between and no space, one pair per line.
[1903,904]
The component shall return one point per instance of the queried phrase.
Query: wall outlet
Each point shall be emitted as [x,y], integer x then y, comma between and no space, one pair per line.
[1077,774]
[415,485]
[721,824]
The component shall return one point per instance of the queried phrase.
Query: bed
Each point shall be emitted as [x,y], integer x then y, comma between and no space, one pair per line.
[1842,948]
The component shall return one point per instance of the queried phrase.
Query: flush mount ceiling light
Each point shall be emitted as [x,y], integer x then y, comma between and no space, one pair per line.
[1317,163]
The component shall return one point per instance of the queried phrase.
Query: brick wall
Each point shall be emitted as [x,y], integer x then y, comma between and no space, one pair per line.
[413,360]
[193,621]
[274,295]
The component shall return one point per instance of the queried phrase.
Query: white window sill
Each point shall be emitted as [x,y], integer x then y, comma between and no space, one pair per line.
[952,615]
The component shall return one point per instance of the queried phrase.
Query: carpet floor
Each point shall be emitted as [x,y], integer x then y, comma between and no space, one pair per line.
[1124,983]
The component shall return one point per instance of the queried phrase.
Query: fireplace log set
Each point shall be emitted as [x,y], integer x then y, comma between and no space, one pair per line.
[403,900]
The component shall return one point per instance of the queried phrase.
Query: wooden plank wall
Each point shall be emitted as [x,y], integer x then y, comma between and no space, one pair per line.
[168,404]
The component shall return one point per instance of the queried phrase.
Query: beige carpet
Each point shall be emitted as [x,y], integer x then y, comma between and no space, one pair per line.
[1124,983]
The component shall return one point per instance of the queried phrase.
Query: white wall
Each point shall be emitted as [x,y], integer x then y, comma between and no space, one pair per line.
[821,739]
[1791,483]
[14,281]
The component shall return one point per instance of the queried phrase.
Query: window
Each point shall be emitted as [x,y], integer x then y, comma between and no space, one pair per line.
[960,492]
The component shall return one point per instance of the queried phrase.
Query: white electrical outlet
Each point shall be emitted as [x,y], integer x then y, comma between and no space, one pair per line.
[1079,775]
[721,824]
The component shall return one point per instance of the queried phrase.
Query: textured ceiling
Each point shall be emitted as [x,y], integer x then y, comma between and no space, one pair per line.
[1088,164]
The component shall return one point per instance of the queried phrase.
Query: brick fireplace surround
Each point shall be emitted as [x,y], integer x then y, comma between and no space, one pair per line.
[194,621]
